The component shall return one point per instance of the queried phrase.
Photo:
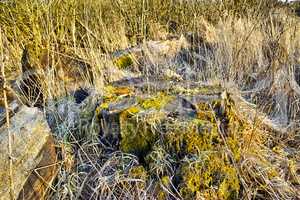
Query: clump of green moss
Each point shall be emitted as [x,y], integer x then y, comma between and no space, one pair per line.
[163,188]
[156,102]
[210,175]
[204,90]
[204,167]
[124,61]
[230,185]
[113,94]
[138,132]
[139,172]
[110,91]
[191,137]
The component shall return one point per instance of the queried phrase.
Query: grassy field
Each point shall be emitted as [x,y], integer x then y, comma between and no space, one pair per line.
[254,44]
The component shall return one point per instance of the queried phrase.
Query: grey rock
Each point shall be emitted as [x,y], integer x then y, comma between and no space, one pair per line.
[32,147]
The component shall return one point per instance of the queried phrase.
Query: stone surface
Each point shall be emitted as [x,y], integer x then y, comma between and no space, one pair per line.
[66,116]
[33,154]
[250,113]
[13,108]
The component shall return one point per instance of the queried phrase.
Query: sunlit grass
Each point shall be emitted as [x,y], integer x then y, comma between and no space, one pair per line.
[247,42]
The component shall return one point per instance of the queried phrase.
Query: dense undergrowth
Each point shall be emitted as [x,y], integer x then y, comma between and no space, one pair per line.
[206,153]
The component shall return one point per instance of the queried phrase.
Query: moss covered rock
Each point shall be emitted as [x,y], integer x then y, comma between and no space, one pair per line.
[190,142]
[138,132]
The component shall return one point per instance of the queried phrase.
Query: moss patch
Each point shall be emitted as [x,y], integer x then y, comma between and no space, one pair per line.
[156,102]
[124,61]
[138,131]
[209,175]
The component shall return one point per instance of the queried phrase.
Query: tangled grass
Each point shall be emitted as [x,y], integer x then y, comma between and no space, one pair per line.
[254,44]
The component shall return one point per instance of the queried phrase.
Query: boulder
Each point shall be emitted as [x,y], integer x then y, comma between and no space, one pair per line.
[129,122]
[33,156]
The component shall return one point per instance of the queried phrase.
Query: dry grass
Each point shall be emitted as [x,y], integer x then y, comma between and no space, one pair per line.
[253,44]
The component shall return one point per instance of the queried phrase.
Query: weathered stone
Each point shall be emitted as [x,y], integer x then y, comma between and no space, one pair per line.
[249,112]
[122,105]
[13,108]
[63,114]
[33,156]
[69,119]
[110,122]
[181,108]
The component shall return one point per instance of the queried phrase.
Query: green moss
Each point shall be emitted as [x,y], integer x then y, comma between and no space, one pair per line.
[124,61]
[195,177]
[157,102]
[113,94]
[191,137]
[235,148]
[161,188]
[209,173]
[165,180]
[110,91]
[207,111]
[138,172]
[137,132]
[230,186]
[193,149]
[204,164]
[164,188]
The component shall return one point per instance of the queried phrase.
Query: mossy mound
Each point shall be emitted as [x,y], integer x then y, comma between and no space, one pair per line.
[189,143]
[209,175]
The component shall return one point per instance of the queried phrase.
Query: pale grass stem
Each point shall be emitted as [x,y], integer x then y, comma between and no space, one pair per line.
[5,87]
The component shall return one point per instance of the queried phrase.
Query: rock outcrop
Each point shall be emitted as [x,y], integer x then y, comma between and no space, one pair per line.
[190,138]
[33,156]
